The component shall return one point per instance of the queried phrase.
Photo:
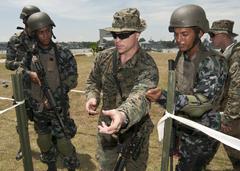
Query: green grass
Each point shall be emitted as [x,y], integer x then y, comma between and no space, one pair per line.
[85,140]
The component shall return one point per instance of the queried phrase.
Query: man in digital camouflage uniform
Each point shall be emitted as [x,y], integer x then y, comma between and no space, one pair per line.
[222,36]
[18,46]
[200,76]
[19,43]
[61,75]
[123,74]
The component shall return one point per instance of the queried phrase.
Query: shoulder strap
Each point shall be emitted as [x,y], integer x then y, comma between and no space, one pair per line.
[177,58]
[114,67]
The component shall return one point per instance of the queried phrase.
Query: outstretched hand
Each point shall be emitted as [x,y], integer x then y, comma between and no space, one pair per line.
[118,119]
[153,94]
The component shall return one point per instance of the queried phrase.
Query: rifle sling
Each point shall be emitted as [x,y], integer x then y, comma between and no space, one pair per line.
[114,67]
[133,130]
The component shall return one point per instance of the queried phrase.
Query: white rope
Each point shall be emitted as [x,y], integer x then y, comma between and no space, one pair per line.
[78,91]
[225,139]
[5,98]
[17,104]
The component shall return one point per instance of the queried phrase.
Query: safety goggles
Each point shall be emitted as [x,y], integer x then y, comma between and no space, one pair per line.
[122,35]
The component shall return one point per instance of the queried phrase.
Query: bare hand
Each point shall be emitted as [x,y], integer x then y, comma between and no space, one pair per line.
[153,94]
[118,119]
[91,106]
[34,78]
[225,128]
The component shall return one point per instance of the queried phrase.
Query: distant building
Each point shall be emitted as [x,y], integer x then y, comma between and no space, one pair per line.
[152,45]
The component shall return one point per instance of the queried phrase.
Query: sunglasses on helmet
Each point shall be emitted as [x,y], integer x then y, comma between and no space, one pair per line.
[122,35]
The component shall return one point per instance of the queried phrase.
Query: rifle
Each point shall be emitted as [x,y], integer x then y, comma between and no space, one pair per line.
[132,147]
[46,89]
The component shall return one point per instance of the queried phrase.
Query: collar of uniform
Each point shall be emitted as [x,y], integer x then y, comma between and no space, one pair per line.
[46,50]
[230,46]
[228,51]
[132,61]
[202,48]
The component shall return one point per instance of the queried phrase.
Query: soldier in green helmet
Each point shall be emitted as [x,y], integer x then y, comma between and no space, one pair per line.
[123,74]
[222,37]
[19,43]
[54,129]
[200,78]
[17,47]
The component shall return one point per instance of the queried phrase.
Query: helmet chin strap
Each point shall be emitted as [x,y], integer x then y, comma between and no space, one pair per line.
[196,40]
[53,35]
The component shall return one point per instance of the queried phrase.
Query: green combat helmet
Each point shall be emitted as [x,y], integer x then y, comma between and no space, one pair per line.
[39,20]
[189,16]
[127,20]
[28,10]
[222,26]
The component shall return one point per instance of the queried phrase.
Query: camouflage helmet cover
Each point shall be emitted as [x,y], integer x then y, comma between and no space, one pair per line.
[28,10]
[39,20]
[189,16]
[127,20]
[222,26]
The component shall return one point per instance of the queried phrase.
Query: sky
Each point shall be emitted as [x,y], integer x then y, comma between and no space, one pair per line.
[80,20]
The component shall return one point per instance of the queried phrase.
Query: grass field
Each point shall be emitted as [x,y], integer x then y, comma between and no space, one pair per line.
[84,140]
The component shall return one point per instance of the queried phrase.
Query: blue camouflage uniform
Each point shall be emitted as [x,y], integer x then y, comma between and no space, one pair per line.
[17,47]
[61,74]
[199,86]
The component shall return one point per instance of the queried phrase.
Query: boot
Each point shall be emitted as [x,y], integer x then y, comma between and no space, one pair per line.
[19,154]
[52,167]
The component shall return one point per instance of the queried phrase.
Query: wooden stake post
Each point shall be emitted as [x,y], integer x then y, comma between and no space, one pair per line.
[22,121]
[168,123]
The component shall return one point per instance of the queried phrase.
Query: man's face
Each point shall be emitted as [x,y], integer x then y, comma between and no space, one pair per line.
[44,36]
[125,41]
[217,40]
[184,38]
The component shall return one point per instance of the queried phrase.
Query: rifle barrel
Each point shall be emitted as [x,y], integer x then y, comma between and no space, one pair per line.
[120,164]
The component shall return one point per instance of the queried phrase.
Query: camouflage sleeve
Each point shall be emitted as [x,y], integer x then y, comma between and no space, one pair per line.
[11,54]
[94,84]
[180,101]
[136,105]
[232,109]
[70,66]
[208,89]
